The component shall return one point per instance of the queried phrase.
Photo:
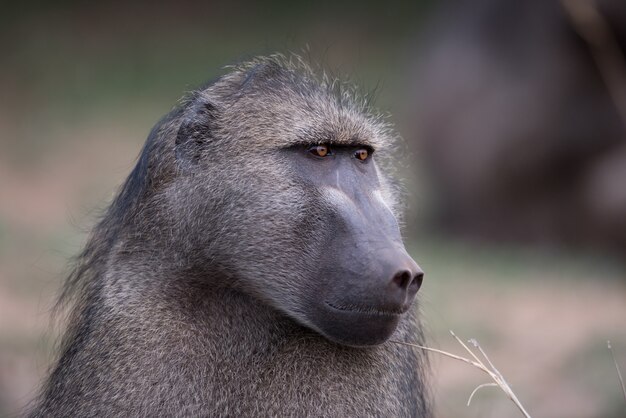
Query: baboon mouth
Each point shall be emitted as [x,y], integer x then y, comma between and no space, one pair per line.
[367,310]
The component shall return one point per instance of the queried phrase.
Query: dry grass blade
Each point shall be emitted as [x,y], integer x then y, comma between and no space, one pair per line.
[484,385]
[619,373]
[445,353]
[489,369]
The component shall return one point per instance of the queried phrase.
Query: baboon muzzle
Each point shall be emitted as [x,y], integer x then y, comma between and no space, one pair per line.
[371,281]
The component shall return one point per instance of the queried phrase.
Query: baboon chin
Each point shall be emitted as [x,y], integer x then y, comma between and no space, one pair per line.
[256,232]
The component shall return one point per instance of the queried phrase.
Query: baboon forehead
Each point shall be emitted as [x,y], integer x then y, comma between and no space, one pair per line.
[276,103]
[287,123]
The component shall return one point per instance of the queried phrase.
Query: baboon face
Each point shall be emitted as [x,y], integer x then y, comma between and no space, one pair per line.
[300,213]
[363,280]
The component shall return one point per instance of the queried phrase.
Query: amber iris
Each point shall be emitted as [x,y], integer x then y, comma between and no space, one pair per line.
[319,150]
[362,154]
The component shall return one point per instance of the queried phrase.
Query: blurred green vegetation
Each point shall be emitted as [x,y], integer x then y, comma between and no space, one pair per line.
[73,65]
[63,63]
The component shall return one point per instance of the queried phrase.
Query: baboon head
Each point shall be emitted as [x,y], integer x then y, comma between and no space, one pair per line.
[275,189]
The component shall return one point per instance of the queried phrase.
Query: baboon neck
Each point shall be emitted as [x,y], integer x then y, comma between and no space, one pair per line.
[200,302]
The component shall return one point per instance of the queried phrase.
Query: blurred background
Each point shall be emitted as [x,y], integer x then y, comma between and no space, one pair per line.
[514,165]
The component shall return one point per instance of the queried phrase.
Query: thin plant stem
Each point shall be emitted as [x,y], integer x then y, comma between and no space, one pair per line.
[484,385]
[490,370]
[619,373]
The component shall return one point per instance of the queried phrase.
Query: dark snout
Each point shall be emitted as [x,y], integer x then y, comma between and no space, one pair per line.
[371,285]
[387,278]
[368,280]
[387,282]
[403,279]
[363,307]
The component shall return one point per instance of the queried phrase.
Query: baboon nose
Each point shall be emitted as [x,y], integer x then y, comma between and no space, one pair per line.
[404,285]
[408,281]
[400,277]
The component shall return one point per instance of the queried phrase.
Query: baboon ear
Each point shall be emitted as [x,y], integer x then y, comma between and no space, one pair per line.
[195,133]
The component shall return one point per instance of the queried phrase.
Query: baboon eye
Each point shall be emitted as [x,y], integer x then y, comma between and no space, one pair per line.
[321,150]
[362,154]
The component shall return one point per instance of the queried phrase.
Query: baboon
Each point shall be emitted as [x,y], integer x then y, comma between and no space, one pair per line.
[251,265]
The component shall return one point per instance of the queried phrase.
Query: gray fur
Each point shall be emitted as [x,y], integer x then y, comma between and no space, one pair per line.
[187,298]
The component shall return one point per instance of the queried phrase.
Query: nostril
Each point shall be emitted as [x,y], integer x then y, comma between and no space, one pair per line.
[407,281]
[403,279]
[416,283]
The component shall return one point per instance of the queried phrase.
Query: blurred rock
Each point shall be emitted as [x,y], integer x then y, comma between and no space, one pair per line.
[516,125]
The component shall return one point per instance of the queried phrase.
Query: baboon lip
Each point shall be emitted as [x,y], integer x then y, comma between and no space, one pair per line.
[366,310]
